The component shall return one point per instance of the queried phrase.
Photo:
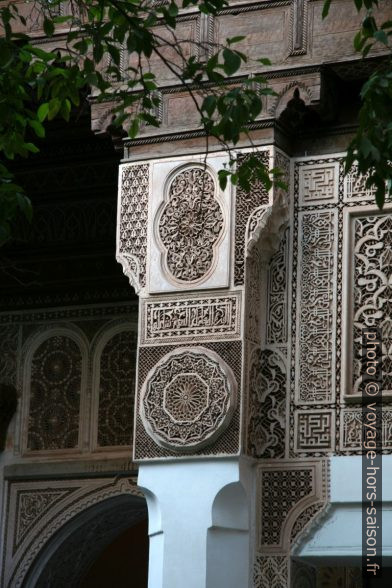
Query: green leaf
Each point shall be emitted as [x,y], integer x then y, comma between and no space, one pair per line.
[62,19]
[43,111]
[25,206]
[380,197]
[223,174]
[233,40]
[326,7]
[209,105]
[48,27]
[54,107]
[38,128]
[366,146]
[134,128]
[232,62]
[31,147]
[381,36]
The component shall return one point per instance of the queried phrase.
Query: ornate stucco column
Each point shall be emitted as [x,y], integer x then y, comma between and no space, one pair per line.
[197,256]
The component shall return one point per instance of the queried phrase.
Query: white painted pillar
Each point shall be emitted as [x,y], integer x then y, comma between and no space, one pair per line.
[199,513]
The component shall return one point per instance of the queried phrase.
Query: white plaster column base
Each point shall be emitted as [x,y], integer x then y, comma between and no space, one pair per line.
[199,513]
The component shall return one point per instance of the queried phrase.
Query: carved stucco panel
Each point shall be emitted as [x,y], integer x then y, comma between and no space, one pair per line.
[189,226]
[131,249]
[319,183]
[367,293]
[184,318]
[372,290]
[285,490]
[316,307]
[188,399]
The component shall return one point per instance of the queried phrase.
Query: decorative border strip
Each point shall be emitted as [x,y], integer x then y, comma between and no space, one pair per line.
[181,318]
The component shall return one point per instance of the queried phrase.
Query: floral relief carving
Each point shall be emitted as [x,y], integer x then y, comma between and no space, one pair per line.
[271,571]
[31,506]
[9,353]
[372,279]
[188,399]
[190,226]
[277,295]
[267,404]
[246,204]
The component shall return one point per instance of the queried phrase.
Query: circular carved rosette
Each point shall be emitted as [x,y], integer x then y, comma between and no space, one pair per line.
[188,399]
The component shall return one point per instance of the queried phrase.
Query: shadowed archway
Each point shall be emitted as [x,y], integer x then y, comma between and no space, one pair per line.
[96,539]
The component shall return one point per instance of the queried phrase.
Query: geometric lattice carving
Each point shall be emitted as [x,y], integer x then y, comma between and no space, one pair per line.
[117,390]
[314,430]
[188,399]
[280,491]
[316,282]
[271,572]
[55,388]
[246,203]
[267,404]
[132,229]
[318,183]
[185,319]
[190,227]
[372,285]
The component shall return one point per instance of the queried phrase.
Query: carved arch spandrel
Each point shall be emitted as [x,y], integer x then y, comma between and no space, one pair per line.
[70,498]
[298,491]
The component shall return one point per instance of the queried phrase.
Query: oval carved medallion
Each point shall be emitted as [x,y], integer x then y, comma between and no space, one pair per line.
[190,226]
